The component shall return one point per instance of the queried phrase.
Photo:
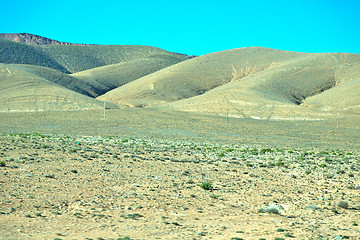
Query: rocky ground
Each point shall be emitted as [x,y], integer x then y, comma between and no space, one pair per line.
[68,187]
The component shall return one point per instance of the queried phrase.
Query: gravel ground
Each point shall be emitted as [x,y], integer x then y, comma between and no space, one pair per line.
[56,186]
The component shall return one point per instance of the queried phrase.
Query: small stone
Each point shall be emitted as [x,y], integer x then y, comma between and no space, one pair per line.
[312,207]
[343,204]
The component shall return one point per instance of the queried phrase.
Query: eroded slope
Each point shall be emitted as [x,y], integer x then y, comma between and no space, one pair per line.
[258,82]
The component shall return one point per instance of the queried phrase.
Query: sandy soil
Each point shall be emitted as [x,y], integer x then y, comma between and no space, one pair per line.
[65,187]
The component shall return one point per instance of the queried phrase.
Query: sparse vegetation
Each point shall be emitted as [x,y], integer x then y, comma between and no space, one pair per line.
[288,234]
[266,150]
[206,185]
[214,196]
[2,163]
[154,174]
[280,163]
[132,216]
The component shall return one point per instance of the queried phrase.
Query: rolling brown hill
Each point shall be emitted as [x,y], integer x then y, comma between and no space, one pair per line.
[109,77]
[18,53]
[80,58]
[259,83]
[72,58]
[21,91]
[98,68]
[59,78]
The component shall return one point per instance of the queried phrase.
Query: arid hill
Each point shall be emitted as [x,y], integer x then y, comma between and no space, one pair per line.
[23,91]
[109,77]
[250,82]
[256,82]
[97,69]
[76,58]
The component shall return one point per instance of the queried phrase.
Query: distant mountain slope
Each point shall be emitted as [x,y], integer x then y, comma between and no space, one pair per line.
[59,78]
[35,39]
[22,91]
[81,58]
[108,77]
[199,75]
[98,68]
[72,58]
[11,52]
[251,82]
[344,97]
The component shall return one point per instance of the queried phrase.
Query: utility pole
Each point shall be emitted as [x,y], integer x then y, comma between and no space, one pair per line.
[35,99]
[104,110]
[227,116]
[227,110]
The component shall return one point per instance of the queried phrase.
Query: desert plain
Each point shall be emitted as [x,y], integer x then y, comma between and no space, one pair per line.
[142,174]
[135,142]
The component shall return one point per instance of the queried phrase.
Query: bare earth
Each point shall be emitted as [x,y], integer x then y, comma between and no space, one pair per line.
[72,182]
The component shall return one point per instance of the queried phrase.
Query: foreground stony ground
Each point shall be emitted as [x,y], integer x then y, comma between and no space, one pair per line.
[61,187]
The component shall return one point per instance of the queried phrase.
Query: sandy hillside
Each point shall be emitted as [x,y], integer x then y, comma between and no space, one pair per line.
[22,91]
[250,82]
[91,70]
[109,77]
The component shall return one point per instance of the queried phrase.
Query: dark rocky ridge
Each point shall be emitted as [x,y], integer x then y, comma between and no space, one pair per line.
[32,39]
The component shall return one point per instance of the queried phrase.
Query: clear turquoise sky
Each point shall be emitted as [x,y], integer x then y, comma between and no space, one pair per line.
[192,27]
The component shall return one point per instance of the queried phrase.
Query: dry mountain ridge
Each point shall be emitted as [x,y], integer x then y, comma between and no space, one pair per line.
[32,39]
[97,68]
[74,58]
[255,82]
[250,82]
[109,77]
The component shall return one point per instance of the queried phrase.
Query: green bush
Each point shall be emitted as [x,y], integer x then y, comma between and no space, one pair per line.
[206,185]
[280,163]
[265,150]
